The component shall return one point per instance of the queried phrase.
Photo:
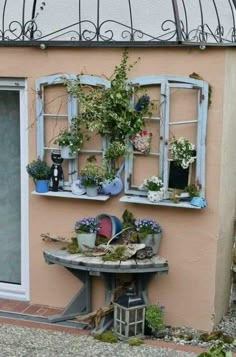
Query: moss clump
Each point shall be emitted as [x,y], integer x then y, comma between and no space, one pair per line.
[216,335]
[135,341]
[117,254]
[197,76]
[101,240]
[107,336]
[73,246]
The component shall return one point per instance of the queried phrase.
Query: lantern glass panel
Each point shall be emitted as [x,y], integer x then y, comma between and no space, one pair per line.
[131,330]
[132,316]
[123,329]
[118,313]
[123,315]
[139,314]
[139,328]
[118,326]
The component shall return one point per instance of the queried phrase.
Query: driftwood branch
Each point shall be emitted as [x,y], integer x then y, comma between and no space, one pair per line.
[93,318]
[47,237]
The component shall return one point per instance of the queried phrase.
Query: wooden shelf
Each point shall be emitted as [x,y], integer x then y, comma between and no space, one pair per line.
[145,201]
[71,195]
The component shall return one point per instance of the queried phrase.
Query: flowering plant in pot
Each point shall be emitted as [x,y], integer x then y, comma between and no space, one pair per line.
[155,188]
[91,176]
[149,232]
[70,141]
[40,172]
[182,152]
[86,230]
[141,141]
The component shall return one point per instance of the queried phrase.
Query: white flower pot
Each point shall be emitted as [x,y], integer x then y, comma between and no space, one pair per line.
[86,238]
[155,196]
[92,191]
[152,240]
[66,154]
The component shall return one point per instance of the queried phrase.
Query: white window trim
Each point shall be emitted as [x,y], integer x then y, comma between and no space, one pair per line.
[7,290]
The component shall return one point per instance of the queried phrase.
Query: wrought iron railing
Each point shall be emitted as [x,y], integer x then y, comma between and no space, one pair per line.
[135,23]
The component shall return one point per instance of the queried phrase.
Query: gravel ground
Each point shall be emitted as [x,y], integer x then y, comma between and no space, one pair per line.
[187,336]
[16,341]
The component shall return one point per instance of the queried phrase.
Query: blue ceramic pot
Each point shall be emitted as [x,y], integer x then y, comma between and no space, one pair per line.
[42,186]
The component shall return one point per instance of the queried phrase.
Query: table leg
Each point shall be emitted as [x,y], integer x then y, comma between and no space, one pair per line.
[107,320]
[142,280]
[81,302]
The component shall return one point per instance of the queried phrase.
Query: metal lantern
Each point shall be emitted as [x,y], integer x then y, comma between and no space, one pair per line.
[129,315]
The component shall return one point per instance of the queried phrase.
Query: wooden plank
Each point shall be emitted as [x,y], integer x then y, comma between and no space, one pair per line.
[167,203]
[144,263]
[67,194]
[128,264]
[157,260]
[111,265]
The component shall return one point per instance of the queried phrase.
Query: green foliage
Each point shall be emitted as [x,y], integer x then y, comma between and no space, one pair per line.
[39,170]
[154,315]
[128,220]
[71,137]
[117,254]
[108,110]
[192,189]
[135,341]
[114,151]
[216,351]
[107,336]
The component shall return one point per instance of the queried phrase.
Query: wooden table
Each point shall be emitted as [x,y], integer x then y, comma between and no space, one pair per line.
[84,267]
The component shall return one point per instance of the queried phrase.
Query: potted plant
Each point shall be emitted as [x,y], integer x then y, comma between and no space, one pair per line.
[86,230]
[70,141]
[141,141]
[149,233]
[154,315]
[182,154]
[154,185]
[91,177]
[40,172]
[112,184]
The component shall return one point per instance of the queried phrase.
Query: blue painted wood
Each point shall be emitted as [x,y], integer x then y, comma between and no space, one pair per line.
[167,82]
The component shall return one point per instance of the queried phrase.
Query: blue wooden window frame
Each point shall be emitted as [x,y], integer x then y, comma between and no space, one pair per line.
[72,111]
[166,82]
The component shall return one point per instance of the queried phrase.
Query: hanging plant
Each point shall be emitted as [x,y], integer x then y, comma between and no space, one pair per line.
[182,152]
[109,111]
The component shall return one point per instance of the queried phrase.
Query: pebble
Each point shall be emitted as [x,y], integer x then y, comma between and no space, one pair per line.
[227,325]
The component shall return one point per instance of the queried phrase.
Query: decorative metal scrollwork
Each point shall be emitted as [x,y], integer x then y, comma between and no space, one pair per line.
[176,21]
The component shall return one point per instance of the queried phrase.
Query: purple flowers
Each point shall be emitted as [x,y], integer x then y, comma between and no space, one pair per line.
[87,225]
[146,226]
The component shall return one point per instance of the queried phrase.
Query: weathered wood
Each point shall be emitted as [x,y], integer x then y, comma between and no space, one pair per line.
[81,262]
[47,237]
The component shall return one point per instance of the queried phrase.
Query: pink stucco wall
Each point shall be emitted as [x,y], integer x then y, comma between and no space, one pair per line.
[190,237]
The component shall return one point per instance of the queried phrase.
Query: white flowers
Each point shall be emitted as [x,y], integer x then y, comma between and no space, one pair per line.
[182,152]
[154,183]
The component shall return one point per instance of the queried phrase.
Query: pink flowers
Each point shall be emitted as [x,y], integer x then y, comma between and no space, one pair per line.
[142,141]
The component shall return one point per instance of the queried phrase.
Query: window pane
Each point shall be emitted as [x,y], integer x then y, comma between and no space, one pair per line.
[10,214]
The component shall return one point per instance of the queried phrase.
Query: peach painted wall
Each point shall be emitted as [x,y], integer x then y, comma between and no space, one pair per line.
[190,237]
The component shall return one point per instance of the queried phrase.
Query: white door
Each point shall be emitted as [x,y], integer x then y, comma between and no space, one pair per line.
[13,190]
